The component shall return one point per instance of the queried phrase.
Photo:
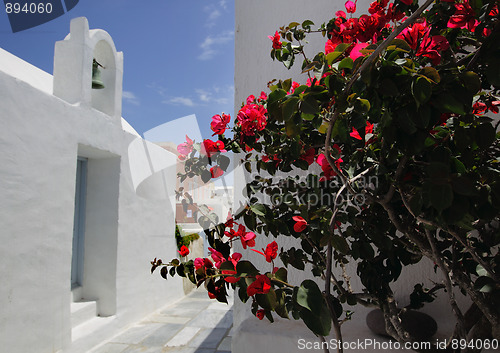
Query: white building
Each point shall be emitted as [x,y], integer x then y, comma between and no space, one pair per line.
[85,203]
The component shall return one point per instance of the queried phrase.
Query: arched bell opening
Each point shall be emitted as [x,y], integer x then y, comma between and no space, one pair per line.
[103,99]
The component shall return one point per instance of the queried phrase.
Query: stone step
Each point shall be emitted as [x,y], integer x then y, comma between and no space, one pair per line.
[82,312]
[91,333]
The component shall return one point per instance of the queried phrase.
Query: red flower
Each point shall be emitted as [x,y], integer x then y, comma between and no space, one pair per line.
[431,46]
[464,17]
[216,171]
[202,263]
[251,99]
[219,123]
[261,285]
[251,118]
[271,251]
[234,259]
[247,238]
[309,156]
[326,167]
[209,147]
[185,148]
[300,224]
[407,2]
[276,40]
[184,251]
[263,96]
[260,314]
[350,6]
[368,130]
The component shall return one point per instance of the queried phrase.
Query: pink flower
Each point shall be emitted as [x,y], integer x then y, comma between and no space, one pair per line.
[261,285]
[271,251]
[356,50]
[217,257]
[300,224]
[219,123]
[184,251]
[216,171]
[350,6]
[276,40]
[185,148]
[252,118]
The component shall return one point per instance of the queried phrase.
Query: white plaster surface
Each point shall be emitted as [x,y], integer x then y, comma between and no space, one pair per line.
[42,136]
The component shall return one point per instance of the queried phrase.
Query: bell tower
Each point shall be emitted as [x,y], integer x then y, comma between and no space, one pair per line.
[73,67]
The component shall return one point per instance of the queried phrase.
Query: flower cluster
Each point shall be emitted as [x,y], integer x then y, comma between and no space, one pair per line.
[252,118]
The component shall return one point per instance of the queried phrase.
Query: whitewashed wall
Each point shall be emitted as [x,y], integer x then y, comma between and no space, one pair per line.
[255,21]
[42,134]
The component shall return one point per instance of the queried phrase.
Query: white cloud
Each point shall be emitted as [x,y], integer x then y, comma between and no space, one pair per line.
[210,43]
[223,4]
[217,95]
[130,97]
[188,102]
[204,96]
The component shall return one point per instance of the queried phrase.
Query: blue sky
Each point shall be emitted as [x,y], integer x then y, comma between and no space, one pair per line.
[178,55]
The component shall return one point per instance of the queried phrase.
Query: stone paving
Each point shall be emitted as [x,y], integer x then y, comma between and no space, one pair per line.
[195,324]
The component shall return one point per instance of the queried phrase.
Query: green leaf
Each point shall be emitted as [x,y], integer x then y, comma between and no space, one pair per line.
[441,196]
[286,85]
[449,104]
[291,128]
[471,81]
[227,266]
[224,162]
[307,24]
[481,271]
[485,135]
[309,296]
[206,176]
[362,106]
[282,274]
[268,300]
[293,25]
[331,57]
[258,209]
[346,63]
[320,323]
[309,105]
[340,244]
[246,268]
[290,107]
[421,89]
[164,272]
[431,73]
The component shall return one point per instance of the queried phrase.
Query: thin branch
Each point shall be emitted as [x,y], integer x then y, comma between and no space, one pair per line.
[335,319]
[453,303]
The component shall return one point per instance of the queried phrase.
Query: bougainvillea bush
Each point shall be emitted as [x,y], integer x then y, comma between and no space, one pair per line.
[392,132]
